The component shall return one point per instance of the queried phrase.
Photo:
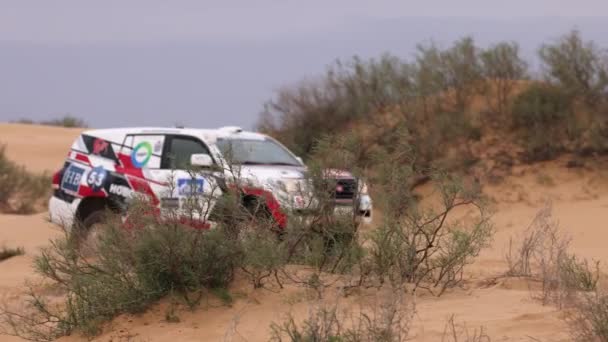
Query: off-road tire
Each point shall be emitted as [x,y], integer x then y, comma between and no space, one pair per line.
[85,234]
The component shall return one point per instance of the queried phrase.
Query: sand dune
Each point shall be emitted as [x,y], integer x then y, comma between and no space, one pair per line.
[40,148]
[503,306]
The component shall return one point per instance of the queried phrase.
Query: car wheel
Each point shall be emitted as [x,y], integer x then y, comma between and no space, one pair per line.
[90,231]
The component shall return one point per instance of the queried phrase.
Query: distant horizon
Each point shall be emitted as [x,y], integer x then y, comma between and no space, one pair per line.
[200,77]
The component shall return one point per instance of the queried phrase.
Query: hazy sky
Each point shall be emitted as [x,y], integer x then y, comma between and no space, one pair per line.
[212,63]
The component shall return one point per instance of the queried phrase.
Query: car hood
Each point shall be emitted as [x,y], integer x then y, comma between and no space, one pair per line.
[268,172]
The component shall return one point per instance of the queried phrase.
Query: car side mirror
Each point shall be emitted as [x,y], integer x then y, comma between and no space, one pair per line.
[201,159]
[300,160]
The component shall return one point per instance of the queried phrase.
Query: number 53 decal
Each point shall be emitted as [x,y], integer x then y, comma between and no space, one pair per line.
[96,178]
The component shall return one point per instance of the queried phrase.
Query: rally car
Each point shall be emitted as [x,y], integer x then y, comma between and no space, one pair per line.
[105,168]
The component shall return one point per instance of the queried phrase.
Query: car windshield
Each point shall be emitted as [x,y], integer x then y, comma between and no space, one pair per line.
[255,152]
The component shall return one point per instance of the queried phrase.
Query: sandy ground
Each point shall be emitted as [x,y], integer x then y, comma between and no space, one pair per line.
[504,307]
[40,148]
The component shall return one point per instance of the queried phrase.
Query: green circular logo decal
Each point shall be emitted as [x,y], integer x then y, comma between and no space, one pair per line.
[141,154]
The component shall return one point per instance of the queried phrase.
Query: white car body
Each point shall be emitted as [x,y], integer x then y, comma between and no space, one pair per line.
[106,166]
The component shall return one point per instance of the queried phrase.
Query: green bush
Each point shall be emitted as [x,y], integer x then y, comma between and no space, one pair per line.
[67,121]
[544,254]
[21,192]
[133,267]
[379,96]
[577,66]
[300,115]
[182,259]
[543,114]
[10,178]
[455,70]
[502,68]
[589,321]
[387,319]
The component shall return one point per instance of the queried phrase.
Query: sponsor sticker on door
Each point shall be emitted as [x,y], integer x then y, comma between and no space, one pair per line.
[96,178]
[120,190]
[71,178]
[190,186]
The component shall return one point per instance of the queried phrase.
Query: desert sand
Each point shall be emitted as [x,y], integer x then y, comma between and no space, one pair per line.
[503,306]
[40,148]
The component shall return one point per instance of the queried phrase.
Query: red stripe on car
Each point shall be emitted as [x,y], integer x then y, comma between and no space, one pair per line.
[86,191]
[82,158]
[271,202]
[141,185]
[128,168]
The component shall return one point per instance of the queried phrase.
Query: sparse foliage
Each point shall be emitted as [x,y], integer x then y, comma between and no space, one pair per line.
[387,320]
[435,98]
[589,320]
[21,192]
[455,332]
[132,269]
[430,247]
[354,89]
[68,121]
[578,66]
[502,68]
[455,71]
[544,116]
[544,254]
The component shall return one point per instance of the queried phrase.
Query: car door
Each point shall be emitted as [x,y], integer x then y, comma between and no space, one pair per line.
[191,192]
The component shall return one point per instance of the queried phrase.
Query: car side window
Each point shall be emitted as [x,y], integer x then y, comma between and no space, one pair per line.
[180,148]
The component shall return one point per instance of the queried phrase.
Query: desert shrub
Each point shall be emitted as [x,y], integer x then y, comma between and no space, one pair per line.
[10,178]
[25,121]
[358,89]
[597,135]
[502,67]
[427,97]
[543,254]
[132,268]
[183,259]
[455,332]
[264,254]
[8,252]
[438,85]
[421,243]
[21,192]
[350,90]
[426,246]
[455,71]
[455,125]
[589,320]
[579,67]
[430,247]
[563,276]
[543,115]
[387,319]
[68,121]
[34,193]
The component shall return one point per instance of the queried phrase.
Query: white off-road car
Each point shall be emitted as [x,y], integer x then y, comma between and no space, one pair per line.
[106,167]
